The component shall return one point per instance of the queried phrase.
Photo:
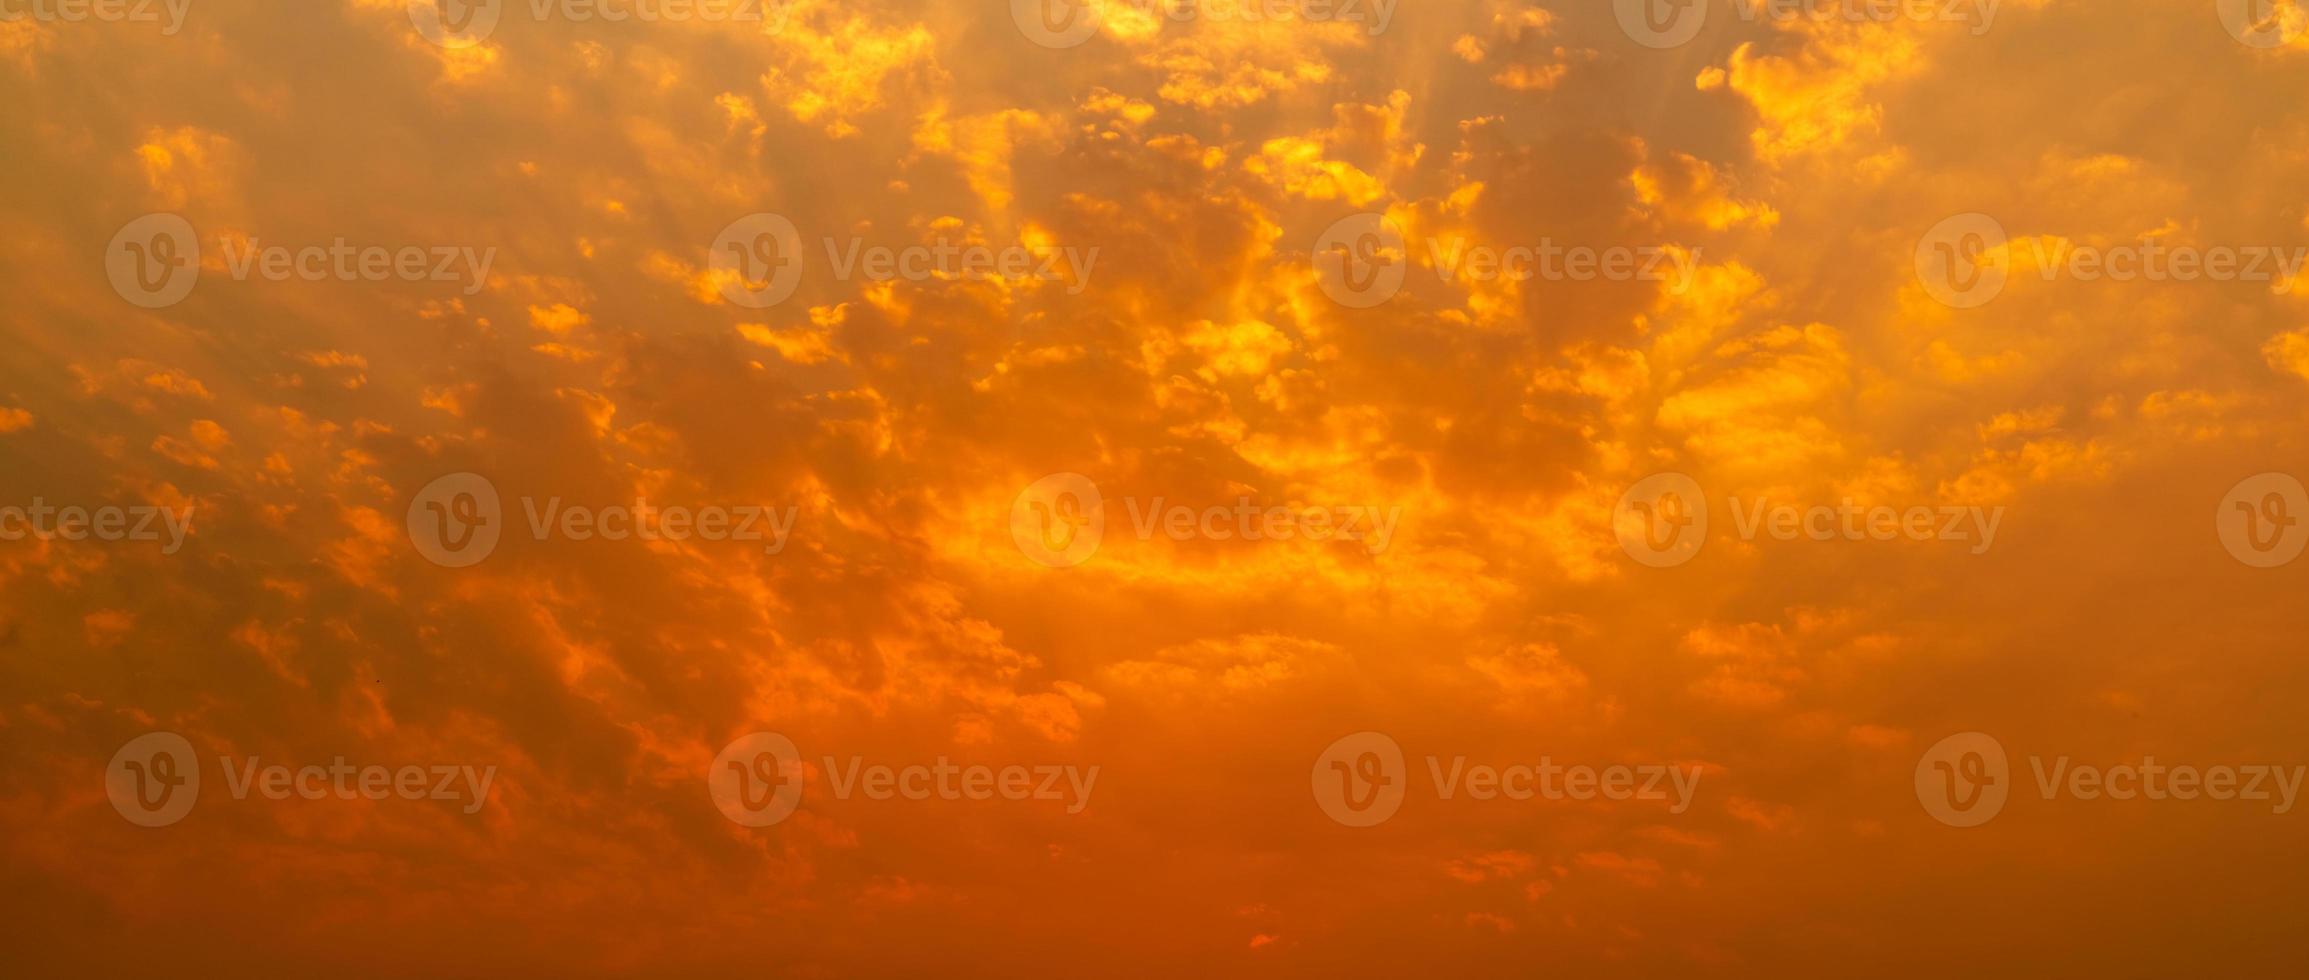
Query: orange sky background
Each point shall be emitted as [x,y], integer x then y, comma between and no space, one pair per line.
[1795,164]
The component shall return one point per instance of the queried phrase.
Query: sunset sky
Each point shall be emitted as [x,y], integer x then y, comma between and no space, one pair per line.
[1873,411]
